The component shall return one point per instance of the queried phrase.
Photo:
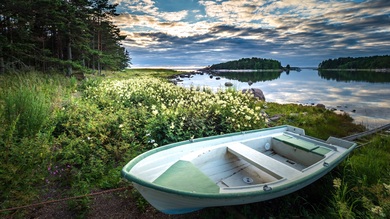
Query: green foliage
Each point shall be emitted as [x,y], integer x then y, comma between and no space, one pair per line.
[371,163]
[308,117]
[53,34]
[371,62]
[28,103]
[364,191]
[94,129]
[342,203]
[25,111]
[249,63]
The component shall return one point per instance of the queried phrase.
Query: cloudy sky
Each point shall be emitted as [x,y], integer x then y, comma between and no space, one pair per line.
[168,33]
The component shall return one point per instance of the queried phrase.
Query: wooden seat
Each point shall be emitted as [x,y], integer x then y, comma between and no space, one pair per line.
[262,161]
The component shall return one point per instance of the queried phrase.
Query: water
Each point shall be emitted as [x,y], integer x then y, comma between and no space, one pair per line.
[365,96]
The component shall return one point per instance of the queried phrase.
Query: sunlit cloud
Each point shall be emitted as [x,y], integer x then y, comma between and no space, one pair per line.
[292,31]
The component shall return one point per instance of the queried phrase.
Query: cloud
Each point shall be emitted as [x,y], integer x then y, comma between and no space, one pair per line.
[286,30]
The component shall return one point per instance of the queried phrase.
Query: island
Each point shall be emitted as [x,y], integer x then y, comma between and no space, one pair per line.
[371,63]
[253,63]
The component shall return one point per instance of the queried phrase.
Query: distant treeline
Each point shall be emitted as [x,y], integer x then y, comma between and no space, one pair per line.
[60,35]
[371,62]
[249,63]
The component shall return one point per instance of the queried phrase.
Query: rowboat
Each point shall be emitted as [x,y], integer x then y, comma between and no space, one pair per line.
[233,169]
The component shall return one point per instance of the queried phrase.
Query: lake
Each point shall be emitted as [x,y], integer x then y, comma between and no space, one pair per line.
[363,95]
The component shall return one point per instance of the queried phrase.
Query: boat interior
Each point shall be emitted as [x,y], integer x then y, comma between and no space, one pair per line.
[244,164]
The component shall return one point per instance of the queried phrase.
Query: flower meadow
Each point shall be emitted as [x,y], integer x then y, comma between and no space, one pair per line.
[81,134]
[172,113]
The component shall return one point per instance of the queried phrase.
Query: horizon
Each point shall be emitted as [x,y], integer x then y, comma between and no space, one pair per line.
[166,33]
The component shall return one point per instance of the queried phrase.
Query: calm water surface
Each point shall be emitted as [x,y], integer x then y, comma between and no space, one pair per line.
[363,95]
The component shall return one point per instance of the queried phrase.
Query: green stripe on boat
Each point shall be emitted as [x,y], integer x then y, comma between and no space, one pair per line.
[304,145]
[183,175]
[321,151]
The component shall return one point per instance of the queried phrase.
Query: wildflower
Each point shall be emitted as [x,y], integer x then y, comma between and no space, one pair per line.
[378,211]
[155,112]
[387,187]
[248,117]
[121,126]
[337,183]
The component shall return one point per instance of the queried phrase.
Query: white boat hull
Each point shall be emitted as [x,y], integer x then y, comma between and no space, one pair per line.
[233,169]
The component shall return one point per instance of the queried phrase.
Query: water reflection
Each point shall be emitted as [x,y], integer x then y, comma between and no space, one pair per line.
[358,76]
[363,96]
[251,76]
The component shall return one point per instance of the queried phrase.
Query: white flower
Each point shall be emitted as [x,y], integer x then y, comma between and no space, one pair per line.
[337,183]
[378,210]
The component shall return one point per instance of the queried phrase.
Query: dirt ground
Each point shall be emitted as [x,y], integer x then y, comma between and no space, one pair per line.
[109,205]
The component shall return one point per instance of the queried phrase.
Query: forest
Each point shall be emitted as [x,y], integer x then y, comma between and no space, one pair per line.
[72,35]
[249,63]
[371,62]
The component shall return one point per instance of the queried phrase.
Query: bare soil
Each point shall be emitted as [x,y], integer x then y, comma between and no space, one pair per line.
[109,205]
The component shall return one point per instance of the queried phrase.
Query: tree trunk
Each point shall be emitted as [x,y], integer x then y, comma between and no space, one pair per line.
[69,72]
[2,65]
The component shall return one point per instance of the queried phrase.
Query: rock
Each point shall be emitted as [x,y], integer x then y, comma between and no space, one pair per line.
[250,83]
[320,105]
[228,84]
[274,118]
[218,78]
[257,93]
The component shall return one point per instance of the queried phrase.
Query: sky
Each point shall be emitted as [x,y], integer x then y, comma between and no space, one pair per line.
[198,33]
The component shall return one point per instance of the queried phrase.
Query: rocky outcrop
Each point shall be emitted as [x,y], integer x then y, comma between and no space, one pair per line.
[228,84]
[257,93]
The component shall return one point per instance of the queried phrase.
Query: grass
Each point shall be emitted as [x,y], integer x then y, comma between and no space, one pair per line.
[74,137]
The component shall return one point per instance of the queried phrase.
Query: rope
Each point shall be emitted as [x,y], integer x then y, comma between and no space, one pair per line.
[65,199]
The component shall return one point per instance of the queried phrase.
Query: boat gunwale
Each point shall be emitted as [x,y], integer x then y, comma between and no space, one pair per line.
[311,177]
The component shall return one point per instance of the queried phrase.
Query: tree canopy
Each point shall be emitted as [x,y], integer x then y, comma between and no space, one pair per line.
[249,63]
[371,62]
[60,34]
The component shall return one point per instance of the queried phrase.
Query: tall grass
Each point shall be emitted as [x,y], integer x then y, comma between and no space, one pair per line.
[54,140]
[27,113]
